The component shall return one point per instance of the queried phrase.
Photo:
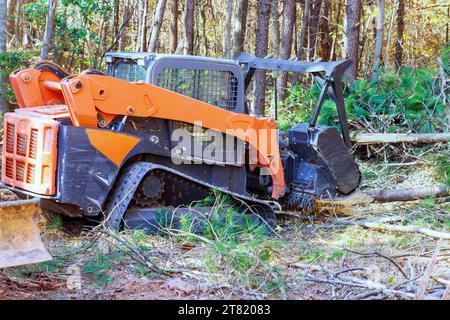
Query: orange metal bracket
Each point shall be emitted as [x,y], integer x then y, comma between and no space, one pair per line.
[88,96]
[34,88]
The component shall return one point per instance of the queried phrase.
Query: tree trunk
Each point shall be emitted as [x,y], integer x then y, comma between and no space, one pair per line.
[288,29]
[325,32]
[240,25]
[11,13]
[2,26]
[143,26]
[174,27]
[262,41]
[137,34]
[336,29]
[314,28]
[189,27]
[228,29]
[400,28]
[286,42]
[116,20]
[351,34]
[389,36]
[304,31]
[48,28]
[275,29]
[18,26]
[125,17]
[156,25]
[3,102]
[378,38]
[205,38]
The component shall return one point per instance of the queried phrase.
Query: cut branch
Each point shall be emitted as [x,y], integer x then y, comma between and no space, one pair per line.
[415,138]
[410,194]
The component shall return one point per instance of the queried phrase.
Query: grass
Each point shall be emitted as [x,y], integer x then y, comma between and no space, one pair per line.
[55,223]
[442,168]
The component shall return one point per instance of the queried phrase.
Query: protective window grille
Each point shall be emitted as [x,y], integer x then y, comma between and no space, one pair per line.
[129,71]
[219,88]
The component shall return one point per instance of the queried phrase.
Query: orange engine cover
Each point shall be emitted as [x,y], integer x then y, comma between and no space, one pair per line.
[30,148]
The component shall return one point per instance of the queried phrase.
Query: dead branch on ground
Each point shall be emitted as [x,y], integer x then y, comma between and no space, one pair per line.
[393,138]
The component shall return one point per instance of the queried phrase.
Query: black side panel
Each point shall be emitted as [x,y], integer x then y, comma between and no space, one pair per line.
[85,175]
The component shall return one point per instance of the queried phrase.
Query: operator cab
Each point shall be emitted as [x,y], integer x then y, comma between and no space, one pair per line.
[219,82]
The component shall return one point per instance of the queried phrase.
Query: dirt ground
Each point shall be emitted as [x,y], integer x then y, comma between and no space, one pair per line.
[305,259]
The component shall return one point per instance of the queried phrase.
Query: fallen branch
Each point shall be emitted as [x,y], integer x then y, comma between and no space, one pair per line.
[383,196]
[361,284]
[374,225]
[427,274]
[446,295]
[409,194]
[391,138]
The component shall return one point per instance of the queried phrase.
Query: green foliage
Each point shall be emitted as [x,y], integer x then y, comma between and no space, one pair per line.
[336,255]
[405,101]
[442,169]
[402,101]
[300,102]
[55,222]
[10,61]
[78,39]
[231,239]
[102,266]
[445,56]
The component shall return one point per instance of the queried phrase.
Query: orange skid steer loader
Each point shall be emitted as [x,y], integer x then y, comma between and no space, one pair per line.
[161,131]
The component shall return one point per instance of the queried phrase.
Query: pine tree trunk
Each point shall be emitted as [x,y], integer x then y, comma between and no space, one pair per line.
[156,25]
[143,26]
[18,26]
[3,102]
[325,32]
[314,28]
[378,38]
[275,29]
[49,28]
[125,17]
[174,27]
[204,36]
[400,29]
[189,27]
[337,22]
[351,35]
[137,35]
[286,43]
[387,60]
[115,27]
[302,43]
[240,25]
[262,41]
[228,29]
[11,16]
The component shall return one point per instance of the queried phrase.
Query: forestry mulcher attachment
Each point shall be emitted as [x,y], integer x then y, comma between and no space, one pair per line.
[162,131]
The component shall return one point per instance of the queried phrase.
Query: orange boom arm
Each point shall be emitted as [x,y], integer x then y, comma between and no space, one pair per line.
[93,97]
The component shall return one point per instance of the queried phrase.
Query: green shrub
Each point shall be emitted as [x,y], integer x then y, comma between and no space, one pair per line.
[10,61]
[398,101]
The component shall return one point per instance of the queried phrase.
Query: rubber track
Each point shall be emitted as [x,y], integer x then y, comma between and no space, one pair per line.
[127,184]
[124,190]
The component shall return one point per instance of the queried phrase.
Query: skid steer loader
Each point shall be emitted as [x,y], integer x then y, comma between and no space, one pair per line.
[161,131]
